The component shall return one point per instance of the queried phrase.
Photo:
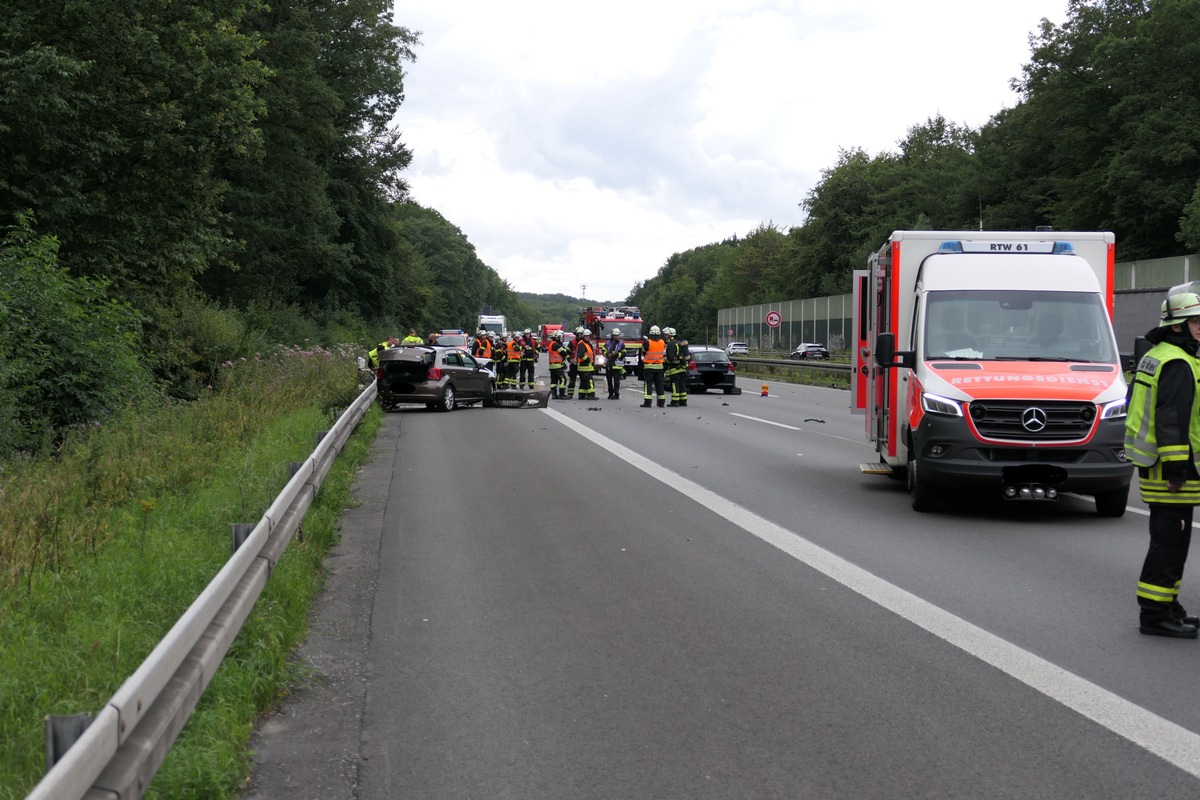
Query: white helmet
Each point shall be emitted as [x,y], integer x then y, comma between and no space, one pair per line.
[1178,307]
[581,331]
[654,330]
[615,332]
[556,334]
[528,331]
[669,331]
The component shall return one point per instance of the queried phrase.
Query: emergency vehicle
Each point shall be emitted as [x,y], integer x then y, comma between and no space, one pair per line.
[600,321]
[493,323]
[988,360]
[545,331]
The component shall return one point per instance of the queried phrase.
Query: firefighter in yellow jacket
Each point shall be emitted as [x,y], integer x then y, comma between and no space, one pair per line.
[1162,438]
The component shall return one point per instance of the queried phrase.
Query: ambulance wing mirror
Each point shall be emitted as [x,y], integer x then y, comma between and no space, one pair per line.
[887,356]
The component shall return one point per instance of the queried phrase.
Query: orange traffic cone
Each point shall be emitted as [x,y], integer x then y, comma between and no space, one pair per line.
[764,390]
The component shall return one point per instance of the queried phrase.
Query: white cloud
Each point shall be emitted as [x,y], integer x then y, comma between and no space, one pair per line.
[584,144]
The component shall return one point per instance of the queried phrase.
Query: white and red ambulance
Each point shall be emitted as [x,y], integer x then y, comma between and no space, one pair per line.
[987,360]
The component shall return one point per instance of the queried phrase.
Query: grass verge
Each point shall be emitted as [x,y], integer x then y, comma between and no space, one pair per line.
[78,617]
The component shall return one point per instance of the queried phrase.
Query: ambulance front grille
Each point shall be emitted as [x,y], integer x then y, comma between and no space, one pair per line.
[1021,420]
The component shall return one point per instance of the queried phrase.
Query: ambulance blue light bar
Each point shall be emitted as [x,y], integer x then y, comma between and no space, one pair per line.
[955,246]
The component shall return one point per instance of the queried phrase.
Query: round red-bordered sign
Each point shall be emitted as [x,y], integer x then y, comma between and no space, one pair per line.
[773,319]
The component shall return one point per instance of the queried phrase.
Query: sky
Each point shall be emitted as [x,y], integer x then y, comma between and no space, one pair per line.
[582,144]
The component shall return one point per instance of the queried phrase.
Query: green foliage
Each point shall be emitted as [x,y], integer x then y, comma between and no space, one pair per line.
[132,521]
[69,352]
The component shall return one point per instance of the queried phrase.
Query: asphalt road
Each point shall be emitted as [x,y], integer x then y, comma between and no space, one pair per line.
[604,601]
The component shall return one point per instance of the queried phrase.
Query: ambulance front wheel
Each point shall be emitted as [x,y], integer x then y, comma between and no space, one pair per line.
[1113,502]
[923,493]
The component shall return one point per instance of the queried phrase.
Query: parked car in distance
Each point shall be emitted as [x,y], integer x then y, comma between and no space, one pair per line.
[737,349]
[811,351]
[440,377]
[710,368]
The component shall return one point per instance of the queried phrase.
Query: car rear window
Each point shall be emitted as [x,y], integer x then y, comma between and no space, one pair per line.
[709,357]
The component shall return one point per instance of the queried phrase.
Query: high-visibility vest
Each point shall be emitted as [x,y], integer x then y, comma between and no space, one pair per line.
[514,350]
[1141,445]
[556,356]
[654,351]
[483,347]
[583,356]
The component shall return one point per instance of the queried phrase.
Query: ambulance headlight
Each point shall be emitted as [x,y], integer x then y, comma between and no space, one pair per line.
[935,404]
[1114,410]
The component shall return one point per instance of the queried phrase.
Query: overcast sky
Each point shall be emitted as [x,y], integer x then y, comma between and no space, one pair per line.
[584,143]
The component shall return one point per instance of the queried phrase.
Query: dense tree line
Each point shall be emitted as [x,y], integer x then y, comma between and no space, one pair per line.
[1105,136]
[213,177]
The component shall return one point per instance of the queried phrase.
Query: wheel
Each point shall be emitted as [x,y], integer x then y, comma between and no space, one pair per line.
[448,398]
[1112,503]
[924,497]
[489,397]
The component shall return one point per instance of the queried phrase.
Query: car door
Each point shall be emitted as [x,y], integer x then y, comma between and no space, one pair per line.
[465,376]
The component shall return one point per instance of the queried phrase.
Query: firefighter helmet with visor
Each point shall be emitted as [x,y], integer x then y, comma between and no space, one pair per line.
[1179,307]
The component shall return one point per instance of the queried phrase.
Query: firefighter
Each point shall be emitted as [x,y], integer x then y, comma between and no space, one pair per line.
[585,364]
[675,358]
[529,358]
[1162,436]
[559,355]
[481,347]
[412,337]
[614,366]
[513,364]
[653,354]
[500,361]
[373,355]
[572,365]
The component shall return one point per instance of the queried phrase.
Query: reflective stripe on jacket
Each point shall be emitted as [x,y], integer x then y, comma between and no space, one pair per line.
[654,350]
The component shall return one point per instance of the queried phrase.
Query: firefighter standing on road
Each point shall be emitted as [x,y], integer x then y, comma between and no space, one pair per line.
[585,364]
[675,358]
[653,353]
[1162,436]
[529,358]
[513,364]
[614,367]
[559,354]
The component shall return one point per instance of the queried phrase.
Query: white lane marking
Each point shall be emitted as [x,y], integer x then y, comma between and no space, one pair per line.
[1171,742]
[1144,512]
[793,428]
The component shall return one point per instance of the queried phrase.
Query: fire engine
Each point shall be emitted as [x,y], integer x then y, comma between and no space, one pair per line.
[628,319]
[989,360]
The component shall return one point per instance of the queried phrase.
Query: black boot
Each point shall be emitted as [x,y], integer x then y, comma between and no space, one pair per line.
[1168,626]
[662,403]
[646,404]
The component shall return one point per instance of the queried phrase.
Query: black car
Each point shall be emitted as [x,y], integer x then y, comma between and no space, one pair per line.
[710,368]
[811,351]
[439,377]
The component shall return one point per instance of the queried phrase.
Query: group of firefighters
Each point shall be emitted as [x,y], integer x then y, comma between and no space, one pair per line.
[514,357]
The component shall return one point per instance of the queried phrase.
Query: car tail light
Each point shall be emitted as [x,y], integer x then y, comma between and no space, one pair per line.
[731,366]
[379,373]
[691,366]
[434,374]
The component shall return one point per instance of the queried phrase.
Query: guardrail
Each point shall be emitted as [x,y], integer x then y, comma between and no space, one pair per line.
[117,752]
[796,363]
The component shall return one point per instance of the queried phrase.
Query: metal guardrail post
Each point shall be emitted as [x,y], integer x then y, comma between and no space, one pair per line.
[62,732]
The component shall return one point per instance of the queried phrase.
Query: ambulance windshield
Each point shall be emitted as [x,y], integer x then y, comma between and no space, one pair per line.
[1010,325]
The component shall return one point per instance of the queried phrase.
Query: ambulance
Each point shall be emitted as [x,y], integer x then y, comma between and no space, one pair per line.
[987,361]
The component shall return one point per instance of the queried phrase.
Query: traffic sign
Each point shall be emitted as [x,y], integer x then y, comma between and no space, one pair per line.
[729,332]
[773,319]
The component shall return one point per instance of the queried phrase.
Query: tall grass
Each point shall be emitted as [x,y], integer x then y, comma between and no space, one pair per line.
[105,545]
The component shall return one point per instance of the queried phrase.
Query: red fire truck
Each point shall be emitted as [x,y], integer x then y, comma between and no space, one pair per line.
[601,321]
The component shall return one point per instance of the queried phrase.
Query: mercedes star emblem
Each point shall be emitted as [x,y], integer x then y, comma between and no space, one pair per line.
[1034,420]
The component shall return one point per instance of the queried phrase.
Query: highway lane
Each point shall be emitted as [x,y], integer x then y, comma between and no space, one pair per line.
[608,636]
